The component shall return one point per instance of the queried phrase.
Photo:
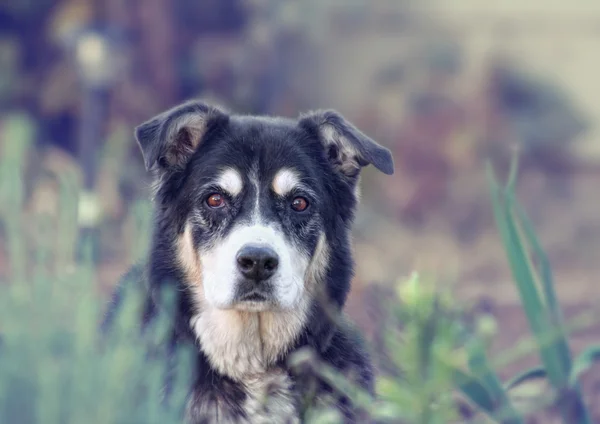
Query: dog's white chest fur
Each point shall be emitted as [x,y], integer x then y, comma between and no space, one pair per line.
[245,346]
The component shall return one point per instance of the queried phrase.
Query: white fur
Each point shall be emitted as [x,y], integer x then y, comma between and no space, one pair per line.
[285,181]
[256,184]
[221,274]
[231,181]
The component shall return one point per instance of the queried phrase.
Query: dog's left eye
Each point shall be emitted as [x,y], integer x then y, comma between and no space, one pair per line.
[299,204]
[215,201]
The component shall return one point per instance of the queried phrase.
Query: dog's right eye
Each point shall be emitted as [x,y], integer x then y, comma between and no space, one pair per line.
[299,204]
[215,201]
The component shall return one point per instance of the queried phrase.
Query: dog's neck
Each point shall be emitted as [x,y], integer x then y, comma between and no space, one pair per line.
[243,344]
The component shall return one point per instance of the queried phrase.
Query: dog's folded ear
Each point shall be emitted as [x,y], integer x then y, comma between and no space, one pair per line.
[170,138]
[347,148]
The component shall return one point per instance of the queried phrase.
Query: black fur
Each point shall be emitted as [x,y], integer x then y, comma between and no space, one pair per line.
[269,144]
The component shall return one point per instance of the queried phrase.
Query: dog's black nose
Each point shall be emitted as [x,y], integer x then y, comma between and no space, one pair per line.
[257,262]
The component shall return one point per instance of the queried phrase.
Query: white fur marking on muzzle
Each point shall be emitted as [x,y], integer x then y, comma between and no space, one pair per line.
[221,275]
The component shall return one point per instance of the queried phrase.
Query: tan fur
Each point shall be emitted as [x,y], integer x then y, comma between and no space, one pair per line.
[195,125]
[347,151]
[190,263]
[318,266]
[230,180]
[285,181]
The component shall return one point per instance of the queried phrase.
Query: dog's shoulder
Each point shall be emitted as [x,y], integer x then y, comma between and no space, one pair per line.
[345,353]
[348,353]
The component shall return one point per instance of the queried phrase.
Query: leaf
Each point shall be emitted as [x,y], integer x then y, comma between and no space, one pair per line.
[479,366]
[552,306]
[583,362]
[544,317]
[525,279]
[474,390]
[534,373]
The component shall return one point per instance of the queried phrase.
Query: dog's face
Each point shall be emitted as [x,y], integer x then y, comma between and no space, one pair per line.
[256,215]
[255,198]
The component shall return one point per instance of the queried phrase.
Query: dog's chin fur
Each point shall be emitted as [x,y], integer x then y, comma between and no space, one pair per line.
[255,306]
[260,166]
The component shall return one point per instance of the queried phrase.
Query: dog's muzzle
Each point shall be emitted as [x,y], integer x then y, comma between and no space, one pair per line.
[256,265]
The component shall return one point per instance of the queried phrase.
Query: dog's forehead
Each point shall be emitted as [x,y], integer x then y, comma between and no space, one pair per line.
[264,133]
[261,147]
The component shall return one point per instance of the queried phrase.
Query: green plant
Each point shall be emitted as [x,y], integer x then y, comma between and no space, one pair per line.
[438,353]
[533,277]
[55,366]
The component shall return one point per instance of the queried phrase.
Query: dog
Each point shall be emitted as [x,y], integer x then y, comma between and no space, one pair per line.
[252,226]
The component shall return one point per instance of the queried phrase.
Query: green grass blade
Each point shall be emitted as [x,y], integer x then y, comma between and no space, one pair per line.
[525,281]
[551,352]
[480,366]
[512,174]
[531,374]
[525,284]
[583,362]
[475,390]
[554,353]
[546,271]
[556,349]
[553,308]
[557,344]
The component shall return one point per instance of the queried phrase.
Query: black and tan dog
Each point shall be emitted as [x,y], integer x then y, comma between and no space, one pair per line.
[252,225]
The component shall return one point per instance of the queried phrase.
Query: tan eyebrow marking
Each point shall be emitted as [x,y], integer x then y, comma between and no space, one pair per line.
[285,181]
[231,181]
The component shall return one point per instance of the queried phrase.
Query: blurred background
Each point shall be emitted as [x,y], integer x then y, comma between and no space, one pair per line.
[444,86]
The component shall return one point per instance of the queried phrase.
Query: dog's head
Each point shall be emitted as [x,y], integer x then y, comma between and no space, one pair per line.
[257,203]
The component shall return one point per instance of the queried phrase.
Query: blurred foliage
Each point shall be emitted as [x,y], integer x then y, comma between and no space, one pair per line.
[55,366]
